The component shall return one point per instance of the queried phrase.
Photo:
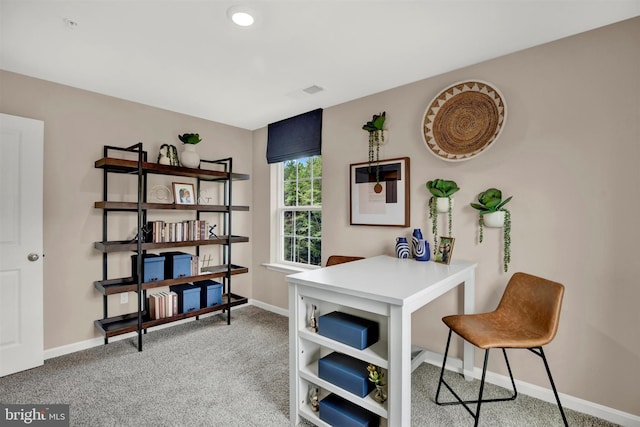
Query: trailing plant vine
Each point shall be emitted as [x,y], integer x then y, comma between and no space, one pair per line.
[376,137]
[440,188]
[490,201]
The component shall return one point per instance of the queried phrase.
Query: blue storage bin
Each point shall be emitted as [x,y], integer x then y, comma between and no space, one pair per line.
[176,264]
[210,293]
[336,411]
[188,297]
[348,329]
[346,372]
[152,267]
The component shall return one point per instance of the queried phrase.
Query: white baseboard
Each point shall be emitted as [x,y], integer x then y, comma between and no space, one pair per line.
[612,415]
[269,307]
[570,402]
[96,342]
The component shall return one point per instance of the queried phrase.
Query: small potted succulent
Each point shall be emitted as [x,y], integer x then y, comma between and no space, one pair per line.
[376,376]
[376,137]
[493,214]
[441,191]
[189,156]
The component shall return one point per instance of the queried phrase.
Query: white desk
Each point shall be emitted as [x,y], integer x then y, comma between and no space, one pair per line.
[382,288]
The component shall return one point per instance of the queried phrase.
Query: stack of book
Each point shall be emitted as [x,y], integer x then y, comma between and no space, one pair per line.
[161,231]
[163,304]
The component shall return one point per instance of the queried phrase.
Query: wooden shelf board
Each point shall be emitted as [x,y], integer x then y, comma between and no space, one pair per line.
[129,284]
[118,325]
[131,166]
[133,206]
[132,245]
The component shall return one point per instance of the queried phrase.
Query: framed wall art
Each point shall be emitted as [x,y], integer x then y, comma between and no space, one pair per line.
[379,193]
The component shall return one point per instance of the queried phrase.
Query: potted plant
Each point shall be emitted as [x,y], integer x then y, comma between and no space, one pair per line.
[189,156]
[376,376]
[440,201]
[376,137]
[493,214]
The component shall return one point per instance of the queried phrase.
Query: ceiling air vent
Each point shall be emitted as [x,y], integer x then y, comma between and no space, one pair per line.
[311,90]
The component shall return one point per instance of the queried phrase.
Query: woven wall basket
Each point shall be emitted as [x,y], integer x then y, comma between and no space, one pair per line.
[464,120]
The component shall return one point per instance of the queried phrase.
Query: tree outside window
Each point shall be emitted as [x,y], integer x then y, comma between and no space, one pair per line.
[301,211]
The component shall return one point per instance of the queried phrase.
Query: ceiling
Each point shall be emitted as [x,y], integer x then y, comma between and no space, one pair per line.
[186,56]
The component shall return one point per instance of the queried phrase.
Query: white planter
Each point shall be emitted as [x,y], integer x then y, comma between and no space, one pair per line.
[189,157]
[494,219]
[442,204]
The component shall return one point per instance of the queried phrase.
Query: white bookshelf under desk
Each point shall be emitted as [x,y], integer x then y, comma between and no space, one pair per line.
[384,289]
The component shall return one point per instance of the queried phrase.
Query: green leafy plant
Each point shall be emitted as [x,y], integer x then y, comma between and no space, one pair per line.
[440,188]
[490,201]
[376,137]
[190,138]
[376,376]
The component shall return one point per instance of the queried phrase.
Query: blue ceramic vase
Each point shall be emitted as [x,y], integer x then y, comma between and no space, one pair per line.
[415,238]
[402,247]
[419,246]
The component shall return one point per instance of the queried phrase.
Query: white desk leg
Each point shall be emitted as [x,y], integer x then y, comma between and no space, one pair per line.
[399,374]
[469,308]
[293,356]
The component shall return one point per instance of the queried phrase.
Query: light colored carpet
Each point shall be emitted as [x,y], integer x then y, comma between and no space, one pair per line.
[208,373]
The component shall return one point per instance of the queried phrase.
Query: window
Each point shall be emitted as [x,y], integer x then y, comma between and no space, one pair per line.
[300,211]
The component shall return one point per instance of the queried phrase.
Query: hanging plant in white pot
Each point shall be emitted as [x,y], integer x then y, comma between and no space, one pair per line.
[493,214]
[440,202]
[377,136]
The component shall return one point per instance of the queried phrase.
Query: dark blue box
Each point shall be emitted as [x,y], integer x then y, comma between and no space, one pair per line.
[188,297]
[176,264]
[348,329]
[336,411]
[346,372]
[152,267]
[210,293]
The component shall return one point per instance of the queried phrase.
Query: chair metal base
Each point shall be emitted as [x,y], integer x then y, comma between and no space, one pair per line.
[476,415]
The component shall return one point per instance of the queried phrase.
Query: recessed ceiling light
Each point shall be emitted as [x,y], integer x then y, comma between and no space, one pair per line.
[70,23]
[241,16]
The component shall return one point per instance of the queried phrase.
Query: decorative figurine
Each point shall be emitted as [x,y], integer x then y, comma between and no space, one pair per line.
[313,399]
[313,323]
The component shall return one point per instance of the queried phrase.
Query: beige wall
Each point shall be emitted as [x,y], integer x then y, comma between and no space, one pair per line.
[569,156]
[77,125]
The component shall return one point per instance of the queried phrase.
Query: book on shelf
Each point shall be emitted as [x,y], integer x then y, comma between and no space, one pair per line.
[188,230]
[163,304]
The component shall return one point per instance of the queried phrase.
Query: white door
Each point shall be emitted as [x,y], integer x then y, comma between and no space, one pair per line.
[21,306]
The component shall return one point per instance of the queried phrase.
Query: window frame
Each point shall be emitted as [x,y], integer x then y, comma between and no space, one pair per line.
[280,221]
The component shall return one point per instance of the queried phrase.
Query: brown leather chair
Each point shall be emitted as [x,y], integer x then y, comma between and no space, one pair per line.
[526,318]
[340,259]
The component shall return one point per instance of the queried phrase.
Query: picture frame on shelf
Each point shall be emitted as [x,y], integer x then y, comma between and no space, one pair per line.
[380,195]
[445,250]
[183,193]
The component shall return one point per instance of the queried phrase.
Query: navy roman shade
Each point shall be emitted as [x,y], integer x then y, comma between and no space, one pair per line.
[295,137]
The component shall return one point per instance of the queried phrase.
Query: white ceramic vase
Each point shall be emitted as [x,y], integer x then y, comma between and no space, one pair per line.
[189,157]
[494,219]
[442,204]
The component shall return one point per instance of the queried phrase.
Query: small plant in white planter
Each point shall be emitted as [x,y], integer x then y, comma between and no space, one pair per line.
[189,156]
[440,201]
[493,214]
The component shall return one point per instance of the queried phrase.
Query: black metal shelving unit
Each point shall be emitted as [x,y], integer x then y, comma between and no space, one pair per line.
[139,321]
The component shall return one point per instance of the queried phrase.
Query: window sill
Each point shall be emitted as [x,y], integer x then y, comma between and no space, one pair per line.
[286,268]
